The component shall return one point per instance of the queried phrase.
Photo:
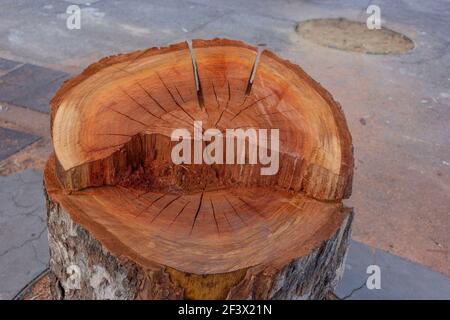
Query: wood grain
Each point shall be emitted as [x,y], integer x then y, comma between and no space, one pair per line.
[196,230]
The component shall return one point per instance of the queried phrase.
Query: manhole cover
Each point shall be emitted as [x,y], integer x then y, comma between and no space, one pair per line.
[354,36]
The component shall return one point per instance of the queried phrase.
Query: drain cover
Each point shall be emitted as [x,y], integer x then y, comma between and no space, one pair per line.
[353,36]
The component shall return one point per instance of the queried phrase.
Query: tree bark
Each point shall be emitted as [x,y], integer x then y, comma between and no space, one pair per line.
[127,222]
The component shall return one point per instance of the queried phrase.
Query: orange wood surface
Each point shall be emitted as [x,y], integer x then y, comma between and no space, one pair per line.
[112,170]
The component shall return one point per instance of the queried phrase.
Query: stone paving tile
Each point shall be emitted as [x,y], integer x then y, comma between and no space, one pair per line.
[31,86]
[7,65]
[23,231]
[252,29]
[12,141]
[400,279]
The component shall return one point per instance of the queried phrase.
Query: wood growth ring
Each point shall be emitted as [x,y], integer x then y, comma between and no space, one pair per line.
[112,170]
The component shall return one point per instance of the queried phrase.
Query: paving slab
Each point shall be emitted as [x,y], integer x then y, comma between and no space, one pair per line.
[23,231]
[31,86]
[252,29]
[399,278]
[12,141]
[7,65]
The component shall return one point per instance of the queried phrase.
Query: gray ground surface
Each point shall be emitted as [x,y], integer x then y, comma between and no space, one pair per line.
[397,106]
[13,141]
[400,279]
[23,231]
[31,86]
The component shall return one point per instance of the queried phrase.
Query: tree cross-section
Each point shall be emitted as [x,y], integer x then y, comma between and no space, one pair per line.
[134,224]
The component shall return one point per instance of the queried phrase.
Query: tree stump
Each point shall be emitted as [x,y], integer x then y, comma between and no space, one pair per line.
[126,221]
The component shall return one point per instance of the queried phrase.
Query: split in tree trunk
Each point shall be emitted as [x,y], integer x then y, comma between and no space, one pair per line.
[139,226]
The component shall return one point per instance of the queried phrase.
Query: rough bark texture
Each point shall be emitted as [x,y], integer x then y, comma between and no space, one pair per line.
[82,268]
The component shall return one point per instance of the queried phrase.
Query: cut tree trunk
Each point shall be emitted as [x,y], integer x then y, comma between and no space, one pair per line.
[127,222]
